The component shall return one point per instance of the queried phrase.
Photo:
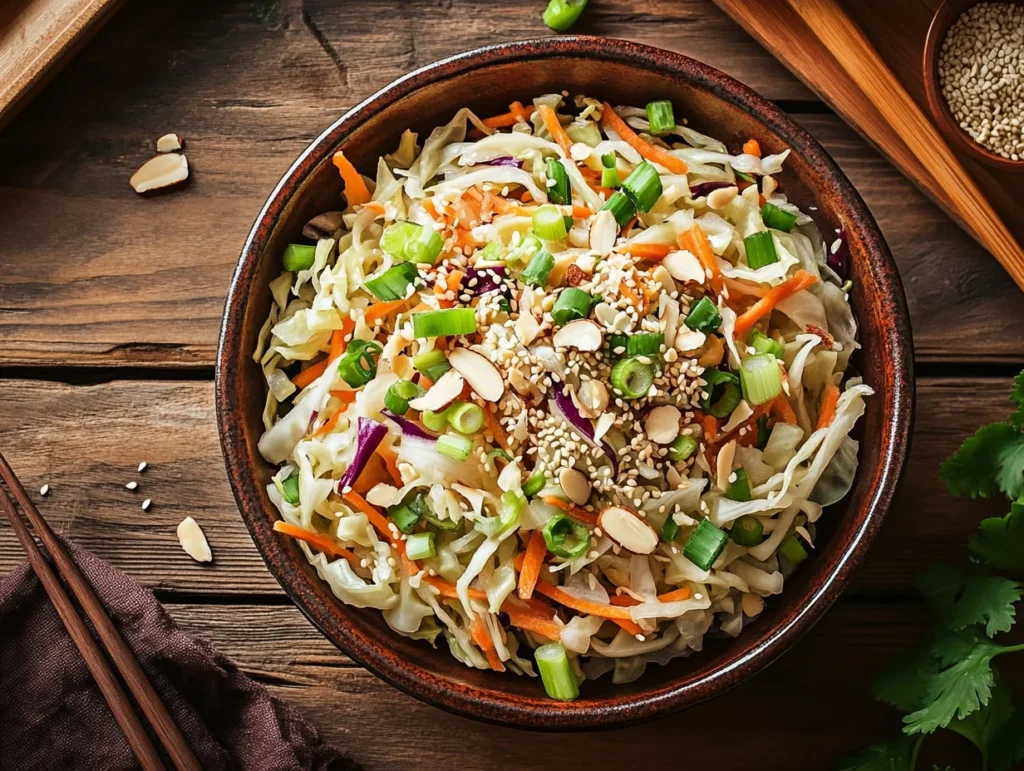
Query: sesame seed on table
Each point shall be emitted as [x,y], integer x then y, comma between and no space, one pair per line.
[110,306]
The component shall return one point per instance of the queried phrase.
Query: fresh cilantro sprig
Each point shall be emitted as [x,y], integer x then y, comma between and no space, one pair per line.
[949,682]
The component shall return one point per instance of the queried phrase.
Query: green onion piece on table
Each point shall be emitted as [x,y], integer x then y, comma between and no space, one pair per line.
[412,242]
[466,417]
[760,249]
[661,117]
[644,343]
[565,537]
[572,304]
[534,484]
[723,389]
[780,219]
[632,377]
[400,394]
[621,207]
[740,489]
[704,317]
[555,670]
[420,546]
[454,446]
[669,530]
[682,447]
[298,257]
[290,488]
[705,544]
[537,272]
[760,378]
[393,283]
[559,192]
[549,223]
[358,365]
[643,186]
[560,15]
[609,171]
[792,550]
[444,323]
[434,421]
[761,343]
[433,364]
[747,531]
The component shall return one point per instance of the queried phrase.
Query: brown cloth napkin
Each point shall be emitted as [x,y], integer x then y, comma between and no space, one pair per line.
[52,715]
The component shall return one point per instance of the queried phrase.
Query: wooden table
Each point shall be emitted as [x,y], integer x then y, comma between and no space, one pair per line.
[110,306]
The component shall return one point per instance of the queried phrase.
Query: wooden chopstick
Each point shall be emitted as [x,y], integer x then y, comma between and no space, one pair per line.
[861,61]
[147,698]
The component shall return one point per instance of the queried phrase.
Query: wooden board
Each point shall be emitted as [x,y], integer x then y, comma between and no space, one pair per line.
[36,38]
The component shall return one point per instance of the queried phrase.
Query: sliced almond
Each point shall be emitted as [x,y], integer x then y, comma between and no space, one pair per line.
[628,530]
[193,540]
[662,424]
[574,275]
[719,199]
[579,237]
[483,377]
[579,151]
[664,278]
[160,172]
[768,186]
[726,456]
[168,143]
[752,604]
[441,394]
[603,425]
[688,340]
[582,334]
[738,416]
[575,485]
[385,495]
[593,397]
[527,328]
[751,193]
[603,232]
[684,266]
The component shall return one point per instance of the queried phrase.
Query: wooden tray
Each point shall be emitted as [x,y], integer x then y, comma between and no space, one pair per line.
[897,29]
[36,38]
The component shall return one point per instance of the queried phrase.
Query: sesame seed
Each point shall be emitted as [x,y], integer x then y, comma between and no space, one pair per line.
[146,504]
[44,490]
[143,466]
[131,485]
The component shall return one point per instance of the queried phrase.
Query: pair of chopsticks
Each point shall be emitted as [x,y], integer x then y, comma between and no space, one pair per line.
[149,701]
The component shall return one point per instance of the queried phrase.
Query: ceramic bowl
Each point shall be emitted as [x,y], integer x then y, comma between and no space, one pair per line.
[487,80]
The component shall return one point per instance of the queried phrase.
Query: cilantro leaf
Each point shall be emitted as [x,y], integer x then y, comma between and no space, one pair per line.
[962,597]
[1000,540]
[982,726]
[903,681]
[889,756]
[962,685]
[1008,745]
[972,469]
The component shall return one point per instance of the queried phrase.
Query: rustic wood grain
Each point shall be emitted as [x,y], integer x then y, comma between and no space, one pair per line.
[804,711]
[86,442]
[140,282]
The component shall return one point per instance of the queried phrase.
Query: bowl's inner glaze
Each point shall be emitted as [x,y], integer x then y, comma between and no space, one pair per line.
[710,102]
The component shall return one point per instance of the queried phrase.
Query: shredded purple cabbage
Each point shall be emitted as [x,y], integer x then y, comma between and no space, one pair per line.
[408,427]
[368,436]
[703,188]
[505,160]
[839,259]
[485,280]
[563,406]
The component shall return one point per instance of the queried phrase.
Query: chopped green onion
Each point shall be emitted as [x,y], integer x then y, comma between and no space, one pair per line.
[490,253]
[553,664]
[632,377]
[528,247]
[565,537]
[643,343]
[534,484]
[537,272]
[571,304]
[504,305]
[408,513]
[780,219]
[466,417]
[512,502]
[609,171]
[549,224]
[744,176]
[682,447]
[558,192]
[740,489]
[499,453]
[747,531]
[298,257]
[792,550]
[412,242]
[763,432]
[434,421]
[290,488]
[357,366]
[723,389]
[433,364]
[621,207]
[562,14]
[399,394]
[704,317]
[445,322]
[420,546]
[643,186]
[705,544]
[760,378]
[454,446]
[617,343]
[669,530]
[393,283]
[760,249]
[441,524]
[761,343]
[661,117]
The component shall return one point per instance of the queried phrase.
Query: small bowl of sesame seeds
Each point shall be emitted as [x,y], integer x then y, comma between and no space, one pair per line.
[974,78]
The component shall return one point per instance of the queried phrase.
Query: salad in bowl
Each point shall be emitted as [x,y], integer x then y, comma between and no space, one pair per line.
[564,387]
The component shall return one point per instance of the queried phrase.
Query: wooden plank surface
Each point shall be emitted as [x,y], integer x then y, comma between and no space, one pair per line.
[86,442]
[140,282]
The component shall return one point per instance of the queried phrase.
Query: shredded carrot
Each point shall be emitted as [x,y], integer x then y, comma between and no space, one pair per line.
[625,600]
[338,342]
[799,281]
[580,212]
[450,591]
[694,240]
[331,422]
[381,309]
[745,288]
[526,196]
[310,373]
[630,295]
[377,519]
[483,638]
[782,410]
[629,225]
[582,606]
[531,623]
[387,454]
[455,280]
[534,605]
[557,132]
[521,113]
[607,192]
[346,397]
[376,207]
[356,191]
[322,543]
[516,112]
[573,511]
[751,147]
[428,207]
[710,425]
[829,400]
[647,251]
[588,173]
[532,564]
[494,427]
[652,153]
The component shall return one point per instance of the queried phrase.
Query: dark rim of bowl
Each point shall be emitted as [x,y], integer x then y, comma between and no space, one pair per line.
[756,651]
